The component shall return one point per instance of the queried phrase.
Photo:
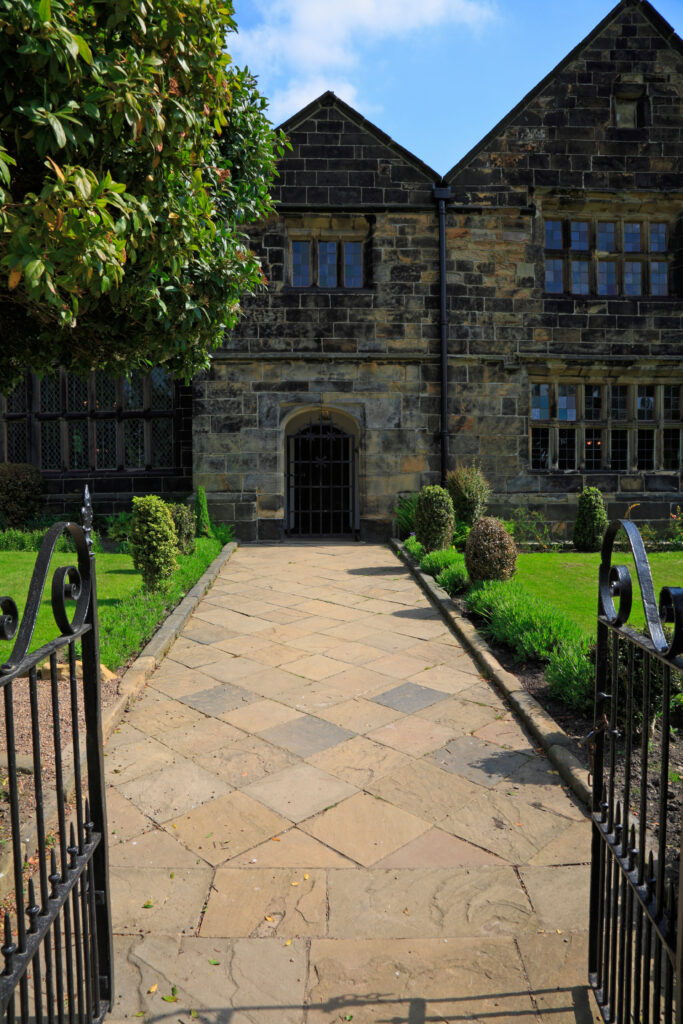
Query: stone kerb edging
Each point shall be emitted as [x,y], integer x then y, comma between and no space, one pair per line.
[132,682]
[549,735]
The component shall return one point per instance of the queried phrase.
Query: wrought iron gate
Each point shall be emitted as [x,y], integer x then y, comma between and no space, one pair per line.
[57,945]
[635,920]
[321,481]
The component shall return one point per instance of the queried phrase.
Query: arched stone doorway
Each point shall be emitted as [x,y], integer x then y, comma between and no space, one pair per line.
[321,481]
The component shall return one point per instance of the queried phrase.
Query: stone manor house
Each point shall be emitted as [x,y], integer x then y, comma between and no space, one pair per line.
[526,311]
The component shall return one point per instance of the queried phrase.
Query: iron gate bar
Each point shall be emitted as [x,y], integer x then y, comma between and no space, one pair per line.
[635,934]
[69,925]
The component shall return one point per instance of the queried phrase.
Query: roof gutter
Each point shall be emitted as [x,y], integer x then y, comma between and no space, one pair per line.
[442,194]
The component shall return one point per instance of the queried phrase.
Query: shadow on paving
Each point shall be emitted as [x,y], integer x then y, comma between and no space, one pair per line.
[410,1011]
[378,570]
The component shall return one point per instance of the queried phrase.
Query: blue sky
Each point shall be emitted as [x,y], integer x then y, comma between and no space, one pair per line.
[436,75]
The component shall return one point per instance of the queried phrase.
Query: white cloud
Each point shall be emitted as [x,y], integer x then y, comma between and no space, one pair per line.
[300,48]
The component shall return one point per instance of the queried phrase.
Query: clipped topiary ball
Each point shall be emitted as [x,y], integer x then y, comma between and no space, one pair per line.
[434,518]
[591,520]
[490,552]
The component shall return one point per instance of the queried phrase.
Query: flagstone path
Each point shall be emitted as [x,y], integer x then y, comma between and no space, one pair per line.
[319,811]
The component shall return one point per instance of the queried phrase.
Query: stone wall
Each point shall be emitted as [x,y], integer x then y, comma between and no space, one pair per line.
[564,153]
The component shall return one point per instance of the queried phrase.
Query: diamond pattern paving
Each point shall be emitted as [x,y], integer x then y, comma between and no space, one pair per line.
[300,796]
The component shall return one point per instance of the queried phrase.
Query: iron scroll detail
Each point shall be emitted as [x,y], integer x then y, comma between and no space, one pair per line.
[68,582]
[615,581]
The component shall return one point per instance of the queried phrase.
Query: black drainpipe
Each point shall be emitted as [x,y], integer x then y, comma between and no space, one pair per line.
[442,195]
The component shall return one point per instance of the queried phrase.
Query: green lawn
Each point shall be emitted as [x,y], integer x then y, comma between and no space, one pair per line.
[128,617]
[569,581]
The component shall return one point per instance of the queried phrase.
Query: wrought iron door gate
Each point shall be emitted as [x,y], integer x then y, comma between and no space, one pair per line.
[635,919]
[321,472]
[57,946]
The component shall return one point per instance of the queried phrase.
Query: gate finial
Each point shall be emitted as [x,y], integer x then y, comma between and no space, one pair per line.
[87,518]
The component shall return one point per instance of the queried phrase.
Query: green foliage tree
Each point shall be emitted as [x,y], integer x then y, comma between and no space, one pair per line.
[131,154]
[434,518]
[591,520]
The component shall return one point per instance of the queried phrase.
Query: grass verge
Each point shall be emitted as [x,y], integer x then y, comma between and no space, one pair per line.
[128,616]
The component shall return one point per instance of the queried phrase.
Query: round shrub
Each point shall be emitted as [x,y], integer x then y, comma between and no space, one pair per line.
[152,541]
[470,493]
[490,552]
[21,494]
[591,520]
[434,518]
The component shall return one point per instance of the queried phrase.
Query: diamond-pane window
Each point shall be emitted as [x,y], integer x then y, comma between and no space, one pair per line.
[16,441]
[580,278]
[646,449]
[659,277]
[327,264]
[134,443]
[105,392]
[16,400]
[566,402]
[619,450]
[672,402]
[50,445]
[162,443]
[76,394]
[566,449]
[632,238]
[133,391]
[105,434]
[540,401]
[78,444]
[633,277]
[607,236]
[162,388]
[580,235]
[353,264]
[49,394]
[540,448]
[553,276]
[301,264]
[619,401]
[657,237]
[607,277]
[671,449]
[593,448]
[593,402]
[646,402]
[553,234]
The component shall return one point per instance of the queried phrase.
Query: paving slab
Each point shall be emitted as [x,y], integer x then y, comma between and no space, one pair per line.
[300,791]
[320,811]
[306,735]
[409,697]
[267,902]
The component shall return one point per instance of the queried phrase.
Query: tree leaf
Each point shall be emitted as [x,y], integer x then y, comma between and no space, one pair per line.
[14,278]
[44,10]
[58,130]
[83,49]
[214,963]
